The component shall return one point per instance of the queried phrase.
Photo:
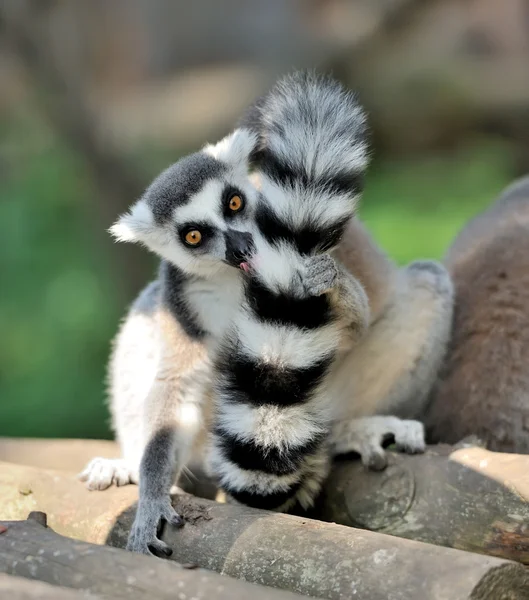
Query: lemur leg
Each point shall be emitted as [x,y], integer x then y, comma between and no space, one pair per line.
[131,373]
[173,416]
[392,369]
[353,304]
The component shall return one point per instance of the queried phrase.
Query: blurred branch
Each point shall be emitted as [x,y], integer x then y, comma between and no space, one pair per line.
[63,101]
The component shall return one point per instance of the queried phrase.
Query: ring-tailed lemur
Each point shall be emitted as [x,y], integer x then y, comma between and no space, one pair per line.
[273,409]
[160,355]
[198,216]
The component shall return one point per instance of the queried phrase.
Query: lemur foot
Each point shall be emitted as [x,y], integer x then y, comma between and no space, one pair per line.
[321,274]
[101,473]
[366,436]
[432,275]
[151,514]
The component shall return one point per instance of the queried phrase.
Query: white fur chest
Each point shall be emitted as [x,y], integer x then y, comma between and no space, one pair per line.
[215,300]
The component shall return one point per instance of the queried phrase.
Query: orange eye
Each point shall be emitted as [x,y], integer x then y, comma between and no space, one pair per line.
[235,203]
[193,237]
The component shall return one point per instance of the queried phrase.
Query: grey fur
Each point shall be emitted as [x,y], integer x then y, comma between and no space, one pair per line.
[322,275]
[409,402]
[180,182]
[421,287]
[367,435]
[156,477]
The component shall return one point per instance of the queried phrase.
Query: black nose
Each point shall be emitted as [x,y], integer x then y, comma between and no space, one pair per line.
[239,246]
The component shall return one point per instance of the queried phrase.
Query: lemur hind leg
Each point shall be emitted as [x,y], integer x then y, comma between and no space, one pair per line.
[131,373]
[392,369]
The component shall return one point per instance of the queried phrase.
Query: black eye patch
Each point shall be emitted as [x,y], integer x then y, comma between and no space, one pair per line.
[233,202]
[207,232]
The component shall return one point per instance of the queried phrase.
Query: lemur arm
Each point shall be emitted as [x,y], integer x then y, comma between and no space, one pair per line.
[352,303]
[392,369]
[326,275]
[173,414]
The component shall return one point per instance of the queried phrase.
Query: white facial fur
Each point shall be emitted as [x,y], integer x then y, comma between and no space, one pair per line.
[204,206]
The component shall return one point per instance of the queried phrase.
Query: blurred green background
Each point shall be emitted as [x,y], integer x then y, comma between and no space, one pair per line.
[96,98]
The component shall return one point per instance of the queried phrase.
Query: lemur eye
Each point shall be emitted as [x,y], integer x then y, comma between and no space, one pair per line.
[193,237]
[235,203]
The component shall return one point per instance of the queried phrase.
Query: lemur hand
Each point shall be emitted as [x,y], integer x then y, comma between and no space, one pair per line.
[143,536]
[321,275]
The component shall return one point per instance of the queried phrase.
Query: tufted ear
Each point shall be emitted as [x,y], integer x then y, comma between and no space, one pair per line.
[235,149]
[137,225]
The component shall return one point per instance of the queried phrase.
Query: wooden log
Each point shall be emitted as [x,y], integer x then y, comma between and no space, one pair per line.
[466,498]
[72,510]
[19,588]
[62,455]
[470,499]
[73,455]
[309,557]
[30,550]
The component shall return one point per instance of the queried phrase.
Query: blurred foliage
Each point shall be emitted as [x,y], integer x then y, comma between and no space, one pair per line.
[57,311]
[415,208]
[58,306]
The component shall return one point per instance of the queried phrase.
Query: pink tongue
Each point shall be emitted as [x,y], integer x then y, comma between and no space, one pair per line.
[245,267]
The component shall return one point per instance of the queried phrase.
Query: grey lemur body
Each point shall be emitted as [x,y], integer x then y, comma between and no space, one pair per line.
[160,372]
[483,388]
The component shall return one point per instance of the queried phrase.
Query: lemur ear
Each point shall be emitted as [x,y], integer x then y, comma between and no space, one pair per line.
[235,149]
[134,226]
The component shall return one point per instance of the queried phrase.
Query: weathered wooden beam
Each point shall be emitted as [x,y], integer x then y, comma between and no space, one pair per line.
[73,455]
[59,454]
[310,557]
[466,498]
[30,550]
[469,498]
[19,588]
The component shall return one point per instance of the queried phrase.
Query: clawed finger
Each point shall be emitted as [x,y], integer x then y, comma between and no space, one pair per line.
[174,519]
[159,548]
[374,456]
[410,437]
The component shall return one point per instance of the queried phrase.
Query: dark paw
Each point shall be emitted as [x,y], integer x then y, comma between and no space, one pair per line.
[147,526]
[321,276]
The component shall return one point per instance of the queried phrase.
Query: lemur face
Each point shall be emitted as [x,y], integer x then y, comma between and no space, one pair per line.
[199,214]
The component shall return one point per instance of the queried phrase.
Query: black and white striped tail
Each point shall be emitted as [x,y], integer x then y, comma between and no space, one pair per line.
[273,417]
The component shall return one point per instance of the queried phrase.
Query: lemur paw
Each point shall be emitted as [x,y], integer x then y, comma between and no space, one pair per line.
[432,275]
[367,435]
[147,525]
[101,473]
[321,274]
[409,437]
